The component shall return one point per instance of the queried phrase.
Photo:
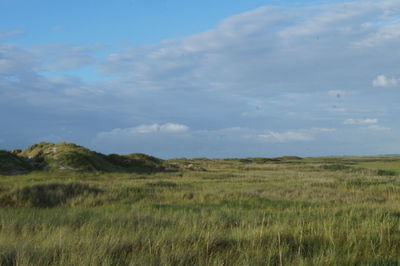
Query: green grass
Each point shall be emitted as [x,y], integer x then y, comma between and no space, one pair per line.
[391,166]
[286,211]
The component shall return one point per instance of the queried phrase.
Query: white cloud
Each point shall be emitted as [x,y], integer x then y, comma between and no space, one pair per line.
[168,128]
[294,135]
[388,33]
[173,128]
[288,136]
[146,129]
[352,121]
[383,81]
[267,50]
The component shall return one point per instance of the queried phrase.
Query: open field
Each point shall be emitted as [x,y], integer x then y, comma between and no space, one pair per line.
[287,211]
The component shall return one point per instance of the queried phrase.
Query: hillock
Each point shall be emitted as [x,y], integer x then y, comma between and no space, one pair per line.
[72,157]
[13,164]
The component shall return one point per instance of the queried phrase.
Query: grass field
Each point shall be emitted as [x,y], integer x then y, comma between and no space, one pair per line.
[287,211]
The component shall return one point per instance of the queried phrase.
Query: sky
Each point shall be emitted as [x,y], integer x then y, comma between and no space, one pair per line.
[218,79]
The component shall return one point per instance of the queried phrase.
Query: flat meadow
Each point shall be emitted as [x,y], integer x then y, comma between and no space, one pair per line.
[256,211]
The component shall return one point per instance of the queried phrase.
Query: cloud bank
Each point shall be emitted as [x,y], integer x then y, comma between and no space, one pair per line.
[259,82]
[383,81]
[352,121]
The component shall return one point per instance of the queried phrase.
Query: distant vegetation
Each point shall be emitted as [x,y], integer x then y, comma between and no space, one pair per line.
[62,204]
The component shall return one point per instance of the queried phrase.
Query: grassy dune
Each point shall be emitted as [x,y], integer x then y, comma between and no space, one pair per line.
[282,211]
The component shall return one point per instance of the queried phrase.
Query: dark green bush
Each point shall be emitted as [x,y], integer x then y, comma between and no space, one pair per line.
[335,167]
[385,172]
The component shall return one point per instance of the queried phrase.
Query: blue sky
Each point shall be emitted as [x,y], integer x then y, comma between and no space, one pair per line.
[203,78]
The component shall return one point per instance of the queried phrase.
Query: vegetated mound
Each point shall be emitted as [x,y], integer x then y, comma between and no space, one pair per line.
[46,195]
[69,156]
[137,162]
[13,164]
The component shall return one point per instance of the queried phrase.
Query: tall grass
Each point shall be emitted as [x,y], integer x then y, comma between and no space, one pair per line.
[235,213]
